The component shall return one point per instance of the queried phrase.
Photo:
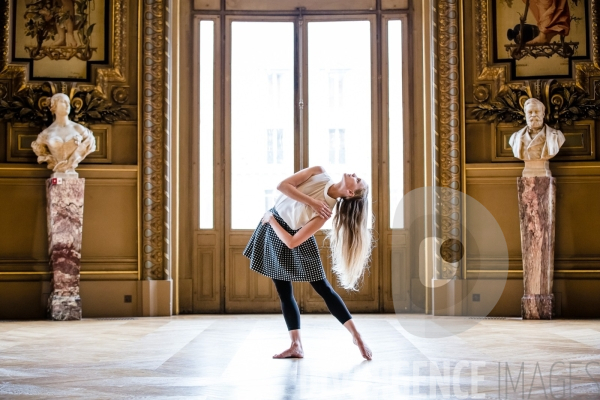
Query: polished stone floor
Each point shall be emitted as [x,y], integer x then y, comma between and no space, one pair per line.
[229,357]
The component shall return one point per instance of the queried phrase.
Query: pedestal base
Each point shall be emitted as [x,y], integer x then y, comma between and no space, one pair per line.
[65,308]
[537,306]
[65,222]
[537,198]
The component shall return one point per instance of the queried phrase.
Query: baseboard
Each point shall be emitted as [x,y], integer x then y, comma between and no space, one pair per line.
[99,299]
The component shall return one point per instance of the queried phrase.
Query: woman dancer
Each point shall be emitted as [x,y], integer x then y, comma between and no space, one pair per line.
[284,249]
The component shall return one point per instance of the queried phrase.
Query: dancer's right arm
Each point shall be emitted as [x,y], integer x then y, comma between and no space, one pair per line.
[301,236]
[289,187]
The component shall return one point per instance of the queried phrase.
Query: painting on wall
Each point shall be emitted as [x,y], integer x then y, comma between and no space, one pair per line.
[60,39]
[540,38]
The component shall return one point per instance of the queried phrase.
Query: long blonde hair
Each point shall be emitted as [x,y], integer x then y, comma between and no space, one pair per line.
[350,238]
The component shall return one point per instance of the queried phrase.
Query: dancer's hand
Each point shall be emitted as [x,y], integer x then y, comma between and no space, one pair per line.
[321,208]
[266,219]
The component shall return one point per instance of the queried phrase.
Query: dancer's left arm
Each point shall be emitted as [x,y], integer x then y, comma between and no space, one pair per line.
[301,236]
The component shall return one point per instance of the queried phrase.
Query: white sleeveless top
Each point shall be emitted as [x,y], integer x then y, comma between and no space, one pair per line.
[297,214]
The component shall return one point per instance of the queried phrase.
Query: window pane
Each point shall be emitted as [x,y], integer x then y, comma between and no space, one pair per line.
[262,116]
[206,123]
[339,98]
[395,122]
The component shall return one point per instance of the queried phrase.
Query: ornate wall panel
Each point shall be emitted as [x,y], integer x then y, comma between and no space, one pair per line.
[575,168]
[449,124]
[114,81]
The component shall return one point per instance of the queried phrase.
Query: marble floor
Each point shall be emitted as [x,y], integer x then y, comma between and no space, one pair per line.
[229,357]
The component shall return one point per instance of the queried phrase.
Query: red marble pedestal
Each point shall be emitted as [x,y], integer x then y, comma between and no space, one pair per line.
[537,198]
[65,222]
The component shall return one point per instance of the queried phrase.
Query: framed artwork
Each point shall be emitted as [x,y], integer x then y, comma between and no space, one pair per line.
[540,38]
[60,39]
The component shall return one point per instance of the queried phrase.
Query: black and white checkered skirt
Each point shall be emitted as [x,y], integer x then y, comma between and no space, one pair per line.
[271,257]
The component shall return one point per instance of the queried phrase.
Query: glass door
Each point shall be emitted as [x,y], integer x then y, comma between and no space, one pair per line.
[341,89]
[260,134]
[276,94]
[300,95]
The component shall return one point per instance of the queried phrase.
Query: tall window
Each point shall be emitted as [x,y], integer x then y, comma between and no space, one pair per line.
[339,93]
[299,95]
[337,146]
[395,121]
[262,100]
[206,111]
[274,146]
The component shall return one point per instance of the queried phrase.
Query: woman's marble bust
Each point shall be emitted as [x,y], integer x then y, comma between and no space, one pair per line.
[64,144]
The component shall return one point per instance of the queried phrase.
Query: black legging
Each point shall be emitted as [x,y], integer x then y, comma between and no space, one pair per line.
[291,313]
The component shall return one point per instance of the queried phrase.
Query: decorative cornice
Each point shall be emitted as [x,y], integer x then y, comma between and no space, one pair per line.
[449,125]
[152,123]
[30,104]
[565,103]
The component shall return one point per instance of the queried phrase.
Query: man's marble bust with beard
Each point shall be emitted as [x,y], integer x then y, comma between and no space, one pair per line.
[537,142]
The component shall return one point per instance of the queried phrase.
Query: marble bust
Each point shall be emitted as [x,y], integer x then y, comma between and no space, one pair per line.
[537,142]
[64,144]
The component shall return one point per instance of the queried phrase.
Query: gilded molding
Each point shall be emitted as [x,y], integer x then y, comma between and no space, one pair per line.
[565,103]
[152,124]
[584,71]
[13,73]
[449,126]
[485,72]
[120,94]
[30,105]
[118,38]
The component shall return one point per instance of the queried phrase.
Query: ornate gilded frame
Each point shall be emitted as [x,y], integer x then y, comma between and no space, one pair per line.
[112,79]
[499,74]
[16,4]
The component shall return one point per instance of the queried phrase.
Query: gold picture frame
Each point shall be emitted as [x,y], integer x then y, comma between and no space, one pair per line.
[65,50]
[499,73]
[531,60]
[111,74]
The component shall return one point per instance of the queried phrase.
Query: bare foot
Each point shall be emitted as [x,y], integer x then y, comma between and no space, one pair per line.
[295,351]
[542,38]
[364,349]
